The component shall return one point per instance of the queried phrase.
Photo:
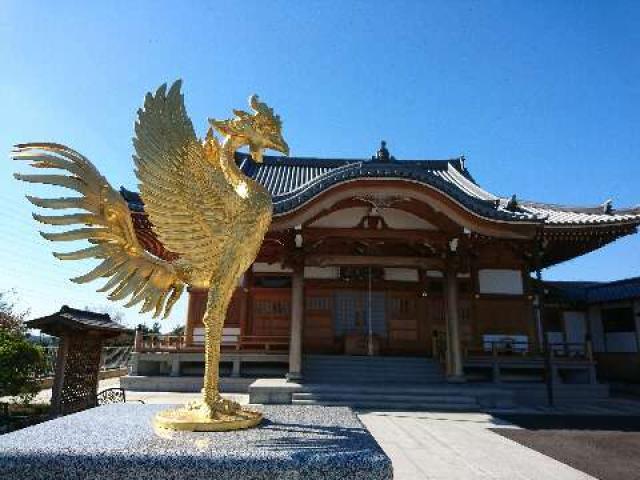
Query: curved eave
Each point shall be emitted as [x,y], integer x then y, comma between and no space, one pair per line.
[444,178]
[459,212]
[565,242]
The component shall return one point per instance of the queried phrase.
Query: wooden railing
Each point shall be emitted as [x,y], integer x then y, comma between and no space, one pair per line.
[178,343]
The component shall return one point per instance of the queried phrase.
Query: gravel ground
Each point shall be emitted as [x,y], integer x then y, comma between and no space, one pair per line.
[605,447]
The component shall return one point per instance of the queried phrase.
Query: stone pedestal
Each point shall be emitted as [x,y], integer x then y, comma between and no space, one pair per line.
[118,442]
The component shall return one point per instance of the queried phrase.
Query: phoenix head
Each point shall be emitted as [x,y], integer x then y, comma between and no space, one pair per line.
[259,130]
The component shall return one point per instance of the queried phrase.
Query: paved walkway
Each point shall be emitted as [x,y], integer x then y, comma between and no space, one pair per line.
[458,446]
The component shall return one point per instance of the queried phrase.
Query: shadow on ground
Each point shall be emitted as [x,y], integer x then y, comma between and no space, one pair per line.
[606,447]
[615,423]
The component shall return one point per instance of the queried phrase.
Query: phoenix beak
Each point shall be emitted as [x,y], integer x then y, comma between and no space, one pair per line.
[282,147]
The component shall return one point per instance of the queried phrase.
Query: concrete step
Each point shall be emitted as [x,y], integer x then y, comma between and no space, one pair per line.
[364,358]
[387,405]
[371,370]
[368,373]
[385,397]
[413,372]
[374,366]
[359,381]
[396,396]
[410,389]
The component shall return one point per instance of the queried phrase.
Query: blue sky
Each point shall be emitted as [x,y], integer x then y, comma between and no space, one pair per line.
[543,98]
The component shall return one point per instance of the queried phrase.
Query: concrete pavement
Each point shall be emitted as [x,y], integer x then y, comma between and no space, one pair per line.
[458,446]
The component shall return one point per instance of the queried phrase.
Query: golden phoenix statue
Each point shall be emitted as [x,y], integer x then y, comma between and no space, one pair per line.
[202,208]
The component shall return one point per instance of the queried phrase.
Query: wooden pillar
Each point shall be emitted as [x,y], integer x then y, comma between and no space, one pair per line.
[245,310]
[138,341]
[297,318]
[58,377]
[195,312]
[455,371]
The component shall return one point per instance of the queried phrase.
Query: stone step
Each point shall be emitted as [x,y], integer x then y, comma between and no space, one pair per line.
[360,380]
[391,363]
[385,371]
[414,372]
[369,371]
[370,368]
[385,397]
[370,404]
[421,364]
[404,389]
[364,358]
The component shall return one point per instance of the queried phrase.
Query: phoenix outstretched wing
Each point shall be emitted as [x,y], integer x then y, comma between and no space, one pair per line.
[186,195]
[107,226]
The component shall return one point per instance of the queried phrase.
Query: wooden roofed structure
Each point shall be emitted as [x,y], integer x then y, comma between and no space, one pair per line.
[81,334]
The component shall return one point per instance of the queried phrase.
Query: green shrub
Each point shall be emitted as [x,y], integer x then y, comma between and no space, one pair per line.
[21,362]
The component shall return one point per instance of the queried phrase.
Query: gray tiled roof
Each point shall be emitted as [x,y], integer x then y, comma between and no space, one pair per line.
[74,319]
[560,214]
[294,181]
[596,292]
[613,291]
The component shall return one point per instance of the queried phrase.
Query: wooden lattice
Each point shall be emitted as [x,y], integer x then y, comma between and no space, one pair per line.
[76,381]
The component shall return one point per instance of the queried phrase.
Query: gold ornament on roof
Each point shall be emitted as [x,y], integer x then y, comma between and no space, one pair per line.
[202,207]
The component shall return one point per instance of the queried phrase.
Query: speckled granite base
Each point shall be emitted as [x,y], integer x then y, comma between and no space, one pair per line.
[118,442]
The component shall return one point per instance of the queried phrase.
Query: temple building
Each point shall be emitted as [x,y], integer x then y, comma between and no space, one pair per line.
[386,257]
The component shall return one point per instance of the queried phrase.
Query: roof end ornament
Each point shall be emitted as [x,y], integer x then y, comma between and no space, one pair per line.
[382,155]
[512,204]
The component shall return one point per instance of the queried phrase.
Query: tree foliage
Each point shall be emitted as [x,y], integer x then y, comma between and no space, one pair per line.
[21,363]
[178,330]
[155,328]
[11,320]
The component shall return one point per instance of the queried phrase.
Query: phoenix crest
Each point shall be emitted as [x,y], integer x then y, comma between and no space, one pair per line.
[202,208]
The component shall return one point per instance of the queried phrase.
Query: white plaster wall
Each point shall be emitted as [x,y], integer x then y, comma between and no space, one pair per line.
[402,220]
[259,267]
[500,281]
[326,273]
[401,274]
[395,218]
[434,274]
[345,218]
[229,335]
[615,342]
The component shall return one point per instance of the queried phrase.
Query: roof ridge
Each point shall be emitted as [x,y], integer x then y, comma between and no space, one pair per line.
[577,208]
[615,282]
[279,159]
[89,313]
